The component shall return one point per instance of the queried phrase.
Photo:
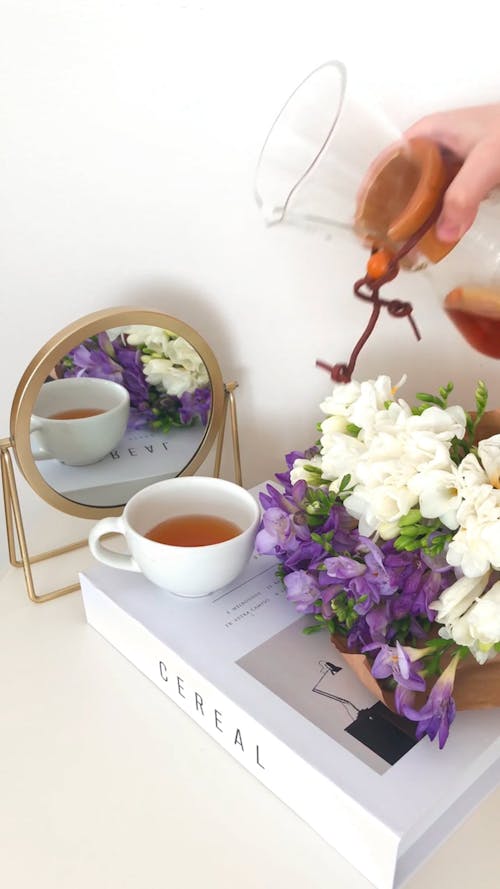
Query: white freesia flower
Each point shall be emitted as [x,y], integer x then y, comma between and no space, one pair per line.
[299,471]
[341,457]
[444,424]
[471,474]
[438,496]
[380,507]
[479,504]
[330,427]
[338,404]
[162,373]
[482,624]
[471,617]
[425,450]
[457,598]
[476,545]
[471,552]
[489,455]
[399,448]
[384,447]
[174,366]
[373,397]
[357,402]
[154,338]
[392,419]
[182,354]
[388,530]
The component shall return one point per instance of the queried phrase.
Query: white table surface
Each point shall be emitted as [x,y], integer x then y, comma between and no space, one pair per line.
[105,783]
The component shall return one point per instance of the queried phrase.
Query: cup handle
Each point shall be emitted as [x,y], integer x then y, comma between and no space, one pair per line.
[110,525]
[38,449]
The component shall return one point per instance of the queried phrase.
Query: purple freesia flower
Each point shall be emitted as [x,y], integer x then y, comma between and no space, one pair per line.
[195,404]
[439,711]
[276,533]
[376,582]
[284,477]
[364,575]
[418,578]
[89,360]
[343,568]
[403,698]
[328,594]
[301,589]
[290,500]
[135,382]
[344,526]
[396,662]
[377,621]
[117,362]
[307,554]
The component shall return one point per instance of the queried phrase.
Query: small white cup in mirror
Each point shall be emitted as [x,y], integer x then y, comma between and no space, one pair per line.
[78,420]
[184,509]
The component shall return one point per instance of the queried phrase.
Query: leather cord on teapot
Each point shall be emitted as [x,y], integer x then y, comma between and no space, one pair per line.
[368,288]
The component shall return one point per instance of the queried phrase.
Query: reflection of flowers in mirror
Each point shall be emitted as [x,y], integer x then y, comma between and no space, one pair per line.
[169,361]
[388,534]
[166,378]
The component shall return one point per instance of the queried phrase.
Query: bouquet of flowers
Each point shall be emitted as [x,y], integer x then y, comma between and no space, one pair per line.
[387,532]
[165,377]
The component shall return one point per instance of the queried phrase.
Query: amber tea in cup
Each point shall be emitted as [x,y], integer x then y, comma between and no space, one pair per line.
[170,528]
[193,530]
[77,414]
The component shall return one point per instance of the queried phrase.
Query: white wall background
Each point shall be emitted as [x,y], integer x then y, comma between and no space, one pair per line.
[130,131]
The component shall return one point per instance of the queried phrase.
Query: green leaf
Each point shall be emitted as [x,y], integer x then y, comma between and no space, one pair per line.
[414,515]
[428,399]
[353,430]
[315,521]
[446,390]
[414,531]
[346,479]
[413,545]
[314,470]
[438,644]
[463,651]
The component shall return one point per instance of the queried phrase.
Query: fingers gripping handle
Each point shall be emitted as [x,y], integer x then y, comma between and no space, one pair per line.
[110,525]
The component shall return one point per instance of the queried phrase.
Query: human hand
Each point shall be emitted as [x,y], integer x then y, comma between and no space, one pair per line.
[473,135]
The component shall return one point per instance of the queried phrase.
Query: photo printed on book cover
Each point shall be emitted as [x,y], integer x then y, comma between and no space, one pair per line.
[308,673]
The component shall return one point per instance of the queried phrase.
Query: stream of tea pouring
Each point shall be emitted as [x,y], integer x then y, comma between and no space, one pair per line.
[332,161]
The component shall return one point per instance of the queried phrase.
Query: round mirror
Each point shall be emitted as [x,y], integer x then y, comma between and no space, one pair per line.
[116,401]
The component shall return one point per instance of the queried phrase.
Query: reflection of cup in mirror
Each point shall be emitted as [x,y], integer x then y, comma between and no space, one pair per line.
[78,420]
[196,567]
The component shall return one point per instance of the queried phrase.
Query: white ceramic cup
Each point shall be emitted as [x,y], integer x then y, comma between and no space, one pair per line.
[190,571]
[78,442]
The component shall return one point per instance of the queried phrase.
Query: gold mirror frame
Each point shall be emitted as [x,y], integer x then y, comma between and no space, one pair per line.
[22,408]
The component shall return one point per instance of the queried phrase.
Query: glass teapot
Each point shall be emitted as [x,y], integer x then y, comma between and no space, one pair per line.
[332,160]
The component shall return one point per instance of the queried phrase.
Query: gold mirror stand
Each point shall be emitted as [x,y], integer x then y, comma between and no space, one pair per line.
[14,519]
[15,528]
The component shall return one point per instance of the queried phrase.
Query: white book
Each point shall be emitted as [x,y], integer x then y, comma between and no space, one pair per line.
[286,706]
